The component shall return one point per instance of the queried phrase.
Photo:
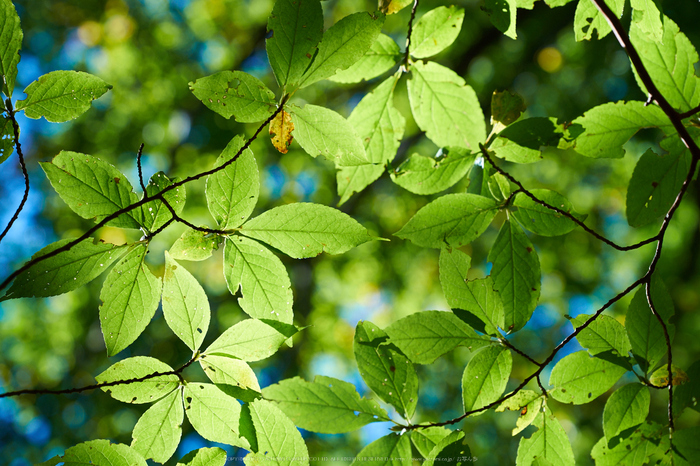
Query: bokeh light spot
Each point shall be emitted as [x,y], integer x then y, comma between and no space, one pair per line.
[550,59]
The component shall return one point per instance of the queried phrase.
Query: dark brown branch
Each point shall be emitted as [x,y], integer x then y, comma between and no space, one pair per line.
[690,113]
[179,219]
[521,353]
[650,301]
[23,166]
[407,55]
[566,214]
[86,388]
[137,204]
[138,165]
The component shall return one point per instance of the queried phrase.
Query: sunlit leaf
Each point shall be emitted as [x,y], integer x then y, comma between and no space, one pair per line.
[436,30]
[263,280]
[342,45]
[194,245]
[425,336]
[155,214]
[426,439]
[281,128]
[393,6]
[235,94]
[11,38]
[130,296]
[326,405]
[215,415]
[65,271]
[204,457]
[516,275]
[542,220]
[294,30]
[381,56]
[670,63]
[445,107]
[486,376]
[385,370]
[279,441]
[392,449]
[647,17]
[430,175]
[549,443]
[579,378]
[452,449]
[306,230]
[452,219]
[233,192]
[251,340]
[634,449]
[627,407]
[100,452]
[157,432]
[61,95]
[605,333]
[91,187]
[139,367]
[474,296]
[229,371]
[528,403]
[185,304]
[590,23]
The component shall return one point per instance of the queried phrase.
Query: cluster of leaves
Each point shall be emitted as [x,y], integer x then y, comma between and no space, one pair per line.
[233,408]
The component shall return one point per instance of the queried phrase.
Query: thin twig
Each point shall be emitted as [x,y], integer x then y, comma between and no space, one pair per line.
[20,156]
[690,113]
[521,353]
[179,219]
[86,388]
[138,165]
[137,204]
[407,55]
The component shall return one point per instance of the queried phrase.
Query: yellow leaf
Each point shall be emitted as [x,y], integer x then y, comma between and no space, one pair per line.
[281,128]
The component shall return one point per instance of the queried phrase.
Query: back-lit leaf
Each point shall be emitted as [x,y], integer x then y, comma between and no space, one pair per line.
[381,56]
[148,390]
[281,128]
[157,432]
[549,443]
[540,219]
[486,376]
[279,441]
[392,449]
[100,452]
[627,407]
[195,245]
[215,415]
[579,378]
[633,449]
[155,214]
[590,23]
[235,94]
[605,333]
[251,340]
[204,457]
[11,37]
[430,175]
[436,30]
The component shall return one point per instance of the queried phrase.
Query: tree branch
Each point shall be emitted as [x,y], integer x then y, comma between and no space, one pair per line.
[20,156]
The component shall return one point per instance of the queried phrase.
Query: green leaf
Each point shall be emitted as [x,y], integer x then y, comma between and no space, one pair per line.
[686,442]
[326,405]
[138,367]
[385,369]
[251,340]
[633,450]
[643,328]
[688,394]
[430,175]
[445,107]
[393,6]
[540,219]
[130,296]
[474,296]
[670,63]
[607,127]
[185,304]
[157,432]
[556,3]
[263,280]
[155,214]
[506,107]
[65,271]
[204,457]
[233,192]
[659,378]
[11,37]
[321,131]
[342,45]
[451,449]
[229,371]
[425,336]
[521,141]
[589,22]
[452,219]
[215,415]
[605,333]
[499,187]
[60,96]
[516,275]
[380,58]
[502,14]
[100,452]
[486,376]
[627,407]
[529,403]
[647,17]
[91,187]
[195,245]
[380,127]
[7,137]
[236,94]
[436,30]
[579,378]
[392,449]
[294,30]
[426,439]
[654,185]
[549,443]
[303,230]
[279,441]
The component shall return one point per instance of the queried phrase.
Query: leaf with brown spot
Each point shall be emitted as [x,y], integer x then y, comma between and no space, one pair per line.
[281,128]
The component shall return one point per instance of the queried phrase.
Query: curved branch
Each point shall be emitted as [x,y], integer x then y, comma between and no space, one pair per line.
[20,156]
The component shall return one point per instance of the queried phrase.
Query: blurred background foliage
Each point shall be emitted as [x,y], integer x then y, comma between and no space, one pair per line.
[150,49]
